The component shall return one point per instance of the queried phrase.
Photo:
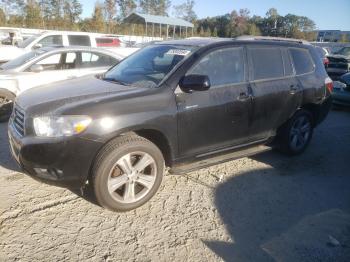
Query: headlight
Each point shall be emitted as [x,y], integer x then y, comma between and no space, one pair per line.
[59,126]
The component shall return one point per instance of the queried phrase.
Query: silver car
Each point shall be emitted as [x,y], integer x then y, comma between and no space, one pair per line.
[48,65]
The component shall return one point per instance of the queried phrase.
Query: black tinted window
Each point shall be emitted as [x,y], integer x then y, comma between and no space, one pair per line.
[82,40]
[267,62]
[302,61]
[225,66]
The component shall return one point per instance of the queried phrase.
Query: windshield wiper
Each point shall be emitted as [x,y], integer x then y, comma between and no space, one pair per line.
[115,81]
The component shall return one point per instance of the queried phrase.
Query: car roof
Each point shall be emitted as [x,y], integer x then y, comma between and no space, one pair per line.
[194,41]
[205,41]
[75,48]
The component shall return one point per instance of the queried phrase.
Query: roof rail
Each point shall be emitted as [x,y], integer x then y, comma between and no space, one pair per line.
[269,38]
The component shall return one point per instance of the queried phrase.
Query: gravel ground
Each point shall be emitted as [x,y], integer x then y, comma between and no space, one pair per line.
[265,208]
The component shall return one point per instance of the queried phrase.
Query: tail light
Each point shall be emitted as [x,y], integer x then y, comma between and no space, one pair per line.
[326,61]
[329,84]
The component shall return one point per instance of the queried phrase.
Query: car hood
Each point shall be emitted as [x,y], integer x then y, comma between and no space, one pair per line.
[49,97]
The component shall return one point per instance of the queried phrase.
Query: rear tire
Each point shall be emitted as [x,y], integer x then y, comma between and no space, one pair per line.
[127,173]
[295,135]
[6,104]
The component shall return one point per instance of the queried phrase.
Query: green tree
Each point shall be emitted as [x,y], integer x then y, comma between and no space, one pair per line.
[33,18]
[253,29]
[239,22]
[155,7]
[2,17]
[186,11]
[97,23]
[215,32]
[110,7]
[126,7]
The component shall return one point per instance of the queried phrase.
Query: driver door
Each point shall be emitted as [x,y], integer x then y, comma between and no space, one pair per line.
[219,117]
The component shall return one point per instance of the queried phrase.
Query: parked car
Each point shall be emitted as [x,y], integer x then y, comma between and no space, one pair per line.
[182,104]
[47,65]
[341,91]
[339,63]
[57,38]
[322,53]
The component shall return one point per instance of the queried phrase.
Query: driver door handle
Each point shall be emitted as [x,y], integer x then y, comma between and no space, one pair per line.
[293,89]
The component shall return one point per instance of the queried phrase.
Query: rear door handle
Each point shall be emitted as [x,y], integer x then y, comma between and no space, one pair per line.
[244,96]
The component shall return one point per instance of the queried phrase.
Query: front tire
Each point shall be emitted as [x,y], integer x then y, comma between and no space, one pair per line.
[127,173]
[295,135]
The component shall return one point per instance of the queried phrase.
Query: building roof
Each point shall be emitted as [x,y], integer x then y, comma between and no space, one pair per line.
[137,18]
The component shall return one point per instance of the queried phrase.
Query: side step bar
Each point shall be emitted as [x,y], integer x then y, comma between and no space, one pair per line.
[214,160]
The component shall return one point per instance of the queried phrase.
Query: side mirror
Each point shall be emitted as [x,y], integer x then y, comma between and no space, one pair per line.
[191,83]
[37,46]
[36,68]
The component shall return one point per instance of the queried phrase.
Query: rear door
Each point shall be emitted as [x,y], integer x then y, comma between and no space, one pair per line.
[216,118]
[276,91]
[95,63]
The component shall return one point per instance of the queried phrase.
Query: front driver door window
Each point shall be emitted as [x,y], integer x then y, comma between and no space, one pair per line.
[217,118]
[56,67]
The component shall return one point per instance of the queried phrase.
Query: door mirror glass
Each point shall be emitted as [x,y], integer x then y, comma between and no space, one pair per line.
[191,83]
[36,68]
[37,46]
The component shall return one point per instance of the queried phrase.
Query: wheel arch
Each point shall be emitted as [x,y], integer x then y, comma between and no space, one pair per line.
[154,135]
[314,110]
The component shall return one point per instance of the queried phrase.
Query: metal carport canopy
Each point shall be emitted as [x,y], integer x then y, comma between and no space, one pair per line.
[137,18]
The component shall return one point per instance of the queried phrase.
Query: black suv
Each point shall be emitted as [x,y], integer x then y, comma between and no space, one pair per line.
[182,104]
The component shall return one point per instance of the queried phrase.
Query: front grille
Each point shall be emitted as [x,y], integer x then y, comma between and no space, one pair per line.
[18,120]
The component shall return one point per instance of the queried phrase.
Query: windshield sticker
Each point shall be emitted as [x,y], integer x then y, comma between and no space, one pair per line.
[178,52]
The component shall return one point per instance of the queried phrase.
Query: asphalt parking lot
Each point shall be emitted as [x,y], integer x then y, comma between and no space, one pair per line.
[265,208]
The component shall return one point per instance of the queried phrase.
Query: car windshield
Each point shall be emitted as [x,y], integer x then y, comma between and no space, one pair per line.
[344,51]
[149,66]
[28,41]
[21,60]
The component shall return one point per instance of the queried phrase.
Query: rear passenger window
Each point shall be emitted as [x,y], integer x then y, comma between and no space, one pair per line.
[267,62]
[224,66]
[96,60]
[82,40]
[302,61]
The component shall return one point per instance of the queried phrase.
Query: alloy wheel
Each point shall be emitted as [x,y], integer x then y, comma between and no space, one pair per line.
[300,133]
[132,177]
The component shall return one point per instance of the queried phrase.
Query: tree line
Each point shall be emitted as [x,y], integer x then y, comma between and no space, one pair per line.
[108,15]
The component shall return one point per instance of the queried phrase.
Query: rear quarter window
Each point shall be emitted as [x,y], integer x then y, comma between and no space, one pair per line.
[81,40]
[302,61]
[267,62]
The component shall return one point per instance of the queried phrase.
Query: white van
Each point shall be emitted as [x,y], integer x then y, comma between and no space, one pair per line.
[57,38]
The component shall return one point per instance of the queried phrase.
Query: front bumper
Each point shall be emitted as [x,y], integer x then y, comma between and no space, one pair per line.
[63,162]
